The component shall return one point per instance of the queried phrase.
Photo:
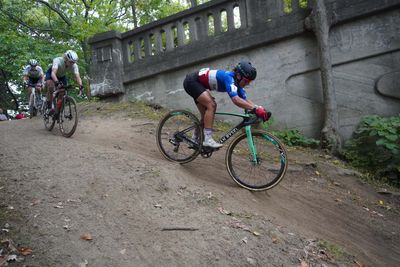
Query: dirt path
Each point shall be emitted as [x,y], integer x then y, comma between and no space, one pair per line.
[110,181]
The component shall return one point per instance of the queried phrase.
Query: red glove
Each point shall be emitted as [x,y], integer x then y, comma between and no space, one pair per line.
[262,113]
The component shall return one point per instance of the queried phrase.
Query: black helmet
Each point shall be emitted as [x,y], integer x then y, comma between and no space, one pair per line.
[246,70]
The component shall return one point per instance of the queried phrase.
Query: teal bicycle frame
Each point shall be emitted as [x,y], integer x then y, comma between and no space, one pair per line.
[248,120]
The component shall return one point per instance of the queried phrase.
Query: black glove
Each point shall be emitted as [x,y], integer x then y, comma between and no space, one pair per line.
[81,93]
[59,84]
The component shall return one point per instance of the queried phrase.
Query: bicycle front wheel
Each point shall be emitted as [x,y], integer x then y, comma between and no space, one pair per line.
[258,169]
[175,134]
[68,117]
[47,119]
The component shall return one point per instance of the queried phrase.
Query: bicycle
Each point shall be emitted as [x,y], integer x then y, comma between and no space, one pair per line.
[35,100]
[66,115]
[255,159]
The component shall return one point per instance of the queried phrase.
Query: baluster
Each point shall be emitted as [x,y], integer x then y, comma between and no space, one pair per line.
[181,34]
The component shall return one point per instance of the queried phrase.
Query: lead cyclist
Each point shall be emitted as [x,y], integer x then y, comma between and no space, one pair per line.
[200,84]
[55,77]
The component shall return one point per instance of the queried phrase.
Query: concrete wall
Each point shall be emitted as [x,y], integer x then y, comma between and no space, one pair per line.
[365,47]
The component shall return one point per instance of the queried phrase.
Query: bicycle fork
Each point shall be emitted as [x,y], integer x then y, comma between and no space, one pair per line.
[252,147]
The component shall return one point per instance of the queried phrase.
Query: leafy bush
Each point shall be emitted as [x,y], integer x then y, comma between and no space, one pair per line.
[295,138]
[375,147]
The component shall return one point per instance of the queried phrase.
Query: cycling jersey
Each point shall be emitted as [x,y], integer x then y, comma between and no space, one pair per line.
[221,81]
[59,63]
[34,73]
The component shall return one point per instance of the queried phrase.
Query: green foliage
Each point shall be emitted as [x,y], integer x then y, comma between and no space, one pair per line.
[375,147]
[287,5]
[295,138]
[44,30]
[332,249]
[151,10]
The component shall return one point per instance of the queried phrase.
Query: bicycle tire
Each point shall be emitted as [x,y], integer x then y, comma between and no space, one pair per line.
[47,119]
[174,136]
[271,163]
[31,106]
[68,117]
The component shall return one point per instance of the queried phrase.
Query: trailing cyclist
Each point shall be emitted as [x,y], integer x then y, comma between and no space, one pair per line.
[55,77]
[200,84]
[33,75]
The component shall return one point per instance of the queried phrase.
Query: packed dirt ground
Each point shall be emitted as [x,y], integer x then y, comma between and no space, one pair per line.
[107,197]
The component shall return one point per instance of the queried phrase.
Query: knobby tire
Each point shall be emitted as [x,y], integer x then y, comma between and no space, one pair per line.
[269,168]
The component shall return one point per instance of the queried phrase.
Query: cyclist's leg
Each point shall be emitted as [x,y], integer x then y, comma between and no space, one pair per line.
[29,91]
[50,88]
[207,101]
[208,106]
[195,89]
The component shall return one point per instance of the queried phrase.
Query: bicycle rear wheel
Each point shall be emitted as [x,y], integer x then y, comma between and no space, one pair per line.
[68,119]
[174,136]
[263,172]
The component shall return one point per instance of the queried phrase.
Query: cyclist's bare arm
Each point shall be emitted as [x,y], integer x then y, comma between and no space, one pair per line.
[54,74]
[78,79]
[240,102]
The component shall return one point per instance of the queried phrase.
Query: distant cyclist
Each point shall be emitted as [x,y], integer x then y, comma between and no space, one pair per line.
[55,75]
[200,84]
[33,75]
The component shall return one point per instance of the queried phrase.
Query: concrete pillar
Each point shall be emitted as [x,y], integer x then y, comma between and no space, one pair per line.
[108,53]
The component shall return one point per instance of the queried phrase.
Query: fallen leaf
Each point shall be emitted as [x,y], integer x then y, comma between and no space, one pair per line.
[35,202]
[87,237]
[381,202]
[304,263]
[274,240]
[359,264]
[2,260]
[317,173]
[223,211]
[25,251]
[256,233]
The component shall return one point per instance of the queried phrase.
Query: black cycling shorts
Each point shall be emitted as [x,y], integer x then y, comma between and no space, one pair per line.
[193,86]
[33,81]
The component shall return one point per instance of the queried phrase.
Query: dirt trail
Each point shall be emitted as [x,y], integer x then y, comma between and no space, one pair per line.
[110,181]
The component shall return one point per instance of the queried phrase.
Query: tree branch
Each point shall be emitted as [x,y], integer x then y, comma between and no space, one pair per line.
[62,16]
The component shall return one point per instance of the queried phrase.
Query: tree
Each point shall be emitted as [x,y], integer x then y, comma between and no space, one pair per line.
[319,23]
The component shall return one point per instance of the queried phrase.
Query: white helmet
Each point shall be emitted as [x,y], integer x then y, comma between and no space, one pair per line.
[33,62]
[71,56]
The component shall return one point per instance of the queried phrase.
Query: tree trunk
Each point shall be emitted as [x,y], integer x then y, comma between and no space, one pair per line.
[134,16]
[318,22]
[193,3]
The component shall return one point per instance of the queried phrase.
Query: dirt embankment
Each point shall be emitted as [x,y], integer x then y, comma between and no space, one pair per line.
[106,197]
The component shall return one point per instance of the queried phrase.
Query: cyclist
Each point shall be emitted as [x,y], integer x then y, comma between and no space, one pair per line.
[33,74]
[55,76]
[199,85]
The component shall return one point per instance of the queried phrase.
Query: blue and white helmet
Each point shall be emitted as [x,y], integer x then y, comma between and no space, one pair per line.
[33,62]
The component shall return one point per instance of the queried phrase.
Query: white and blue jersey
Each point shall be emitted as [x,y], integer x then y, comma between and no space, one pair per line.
[221,81]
